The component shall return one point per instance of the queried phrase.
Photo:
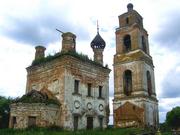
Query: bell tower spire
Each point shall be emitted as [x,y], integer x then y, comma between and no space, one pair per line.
[134,84]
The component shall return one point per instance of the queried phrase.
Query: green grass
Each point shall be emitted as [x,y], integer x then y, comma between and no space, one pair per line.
[46,131]
[77,55]
[51,131]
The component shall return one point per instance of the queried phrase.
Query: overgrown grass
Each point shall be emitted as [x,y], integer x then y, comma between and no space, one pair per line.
[49,131]
[77,55]
[56,131]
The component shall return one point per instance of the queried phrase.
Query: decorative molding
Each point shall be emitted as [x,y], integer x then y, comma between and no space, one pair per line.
[77,104]
[101,107]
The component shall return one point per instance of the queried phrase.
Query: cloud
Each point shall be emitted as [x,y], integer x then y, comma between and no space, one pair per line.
[14,59]
[166,105]
[168,34]
[38,27]
[170,84]
[162,108]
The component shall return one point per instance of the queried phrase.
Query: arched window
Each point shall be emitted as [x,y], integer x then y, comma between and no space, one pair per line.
[127,20]
[149,84]
[143,44]
[127,43]
[127,82]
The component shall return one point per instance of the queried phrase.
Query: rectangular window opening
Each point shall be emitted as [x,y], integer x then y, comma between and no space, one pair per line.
[100,91]
[89,89]
[76,86]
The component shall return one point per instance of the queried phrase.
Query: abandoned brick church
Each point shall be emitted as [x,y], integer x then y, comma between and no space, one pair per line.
[71,91]
[67,90]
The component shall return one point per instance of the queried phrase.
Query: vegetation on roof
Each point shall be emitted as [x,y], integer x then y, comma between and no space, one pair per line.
[80,56]
[36,97]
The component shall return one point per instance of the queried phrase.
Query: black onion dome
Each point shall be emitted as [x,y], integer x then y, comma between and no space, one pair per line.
[98,42]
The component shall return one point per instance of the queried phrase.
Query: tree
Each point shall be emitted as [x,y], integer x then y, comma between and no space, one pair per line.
[173,118]
[4,111]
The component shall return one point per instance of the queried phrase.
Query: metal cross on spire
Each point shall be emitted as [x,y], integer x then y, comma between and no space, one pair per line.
[97,27]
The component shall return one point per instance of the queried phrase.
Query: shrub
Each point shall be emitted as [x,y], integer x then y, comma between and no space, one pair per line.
[173,118]
[4,111]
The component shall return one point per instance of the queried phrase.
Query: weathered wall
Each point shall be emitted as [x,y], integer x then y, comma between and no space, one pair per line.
[150,114]
[139,78]
[87,106]
[49,76]
[138,63]
[135,34]
[59,75]
[46,115]
[129,115]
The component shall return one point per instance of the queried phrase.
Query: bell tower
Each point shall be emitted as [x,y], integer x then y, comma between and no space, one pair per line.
[135,103]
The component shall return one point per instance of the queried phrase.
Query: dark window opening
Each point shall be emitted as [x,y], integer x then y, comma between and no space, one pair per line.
[14,121]
[74,41]
[89,123]
[144,44]
[127,82]
[75,123]
[89,89]
[127,43]
[100,91]
[76,86]
[31,121]
[127,20]
[134,108]
[101,123]
[149,84]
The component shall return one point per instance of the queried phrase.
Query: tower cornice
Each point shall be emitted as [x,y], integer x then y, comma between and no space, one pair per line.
[136,55]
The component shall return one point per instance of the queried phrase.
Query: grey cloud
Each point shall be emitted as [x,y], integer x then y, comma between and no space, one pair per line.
[169,33]
[40,28]
[171,85]
[162,109]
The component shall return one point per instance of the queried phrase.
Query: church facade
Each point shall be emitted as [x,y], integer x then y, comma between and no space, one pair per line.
[135,103]
[80,85]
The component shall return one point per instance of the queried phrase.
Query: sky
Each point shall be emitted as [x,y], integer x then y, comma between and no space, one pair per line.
[25,24]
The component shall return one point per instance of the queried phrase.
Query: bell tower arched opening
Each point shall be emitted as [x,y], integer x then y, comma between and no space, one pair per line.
[127,43]
[127,82]
[144,48]
[149,83]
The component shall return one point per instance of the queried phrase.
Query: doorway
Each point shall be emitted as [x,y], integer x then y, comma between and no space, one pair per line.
[31,121]
[101,122]
[75,123]
[89,123]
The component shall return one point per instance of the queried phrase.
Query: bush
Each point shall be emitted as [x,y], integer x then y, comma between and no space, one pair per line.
[4,111]
[173,118]
[164,127]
